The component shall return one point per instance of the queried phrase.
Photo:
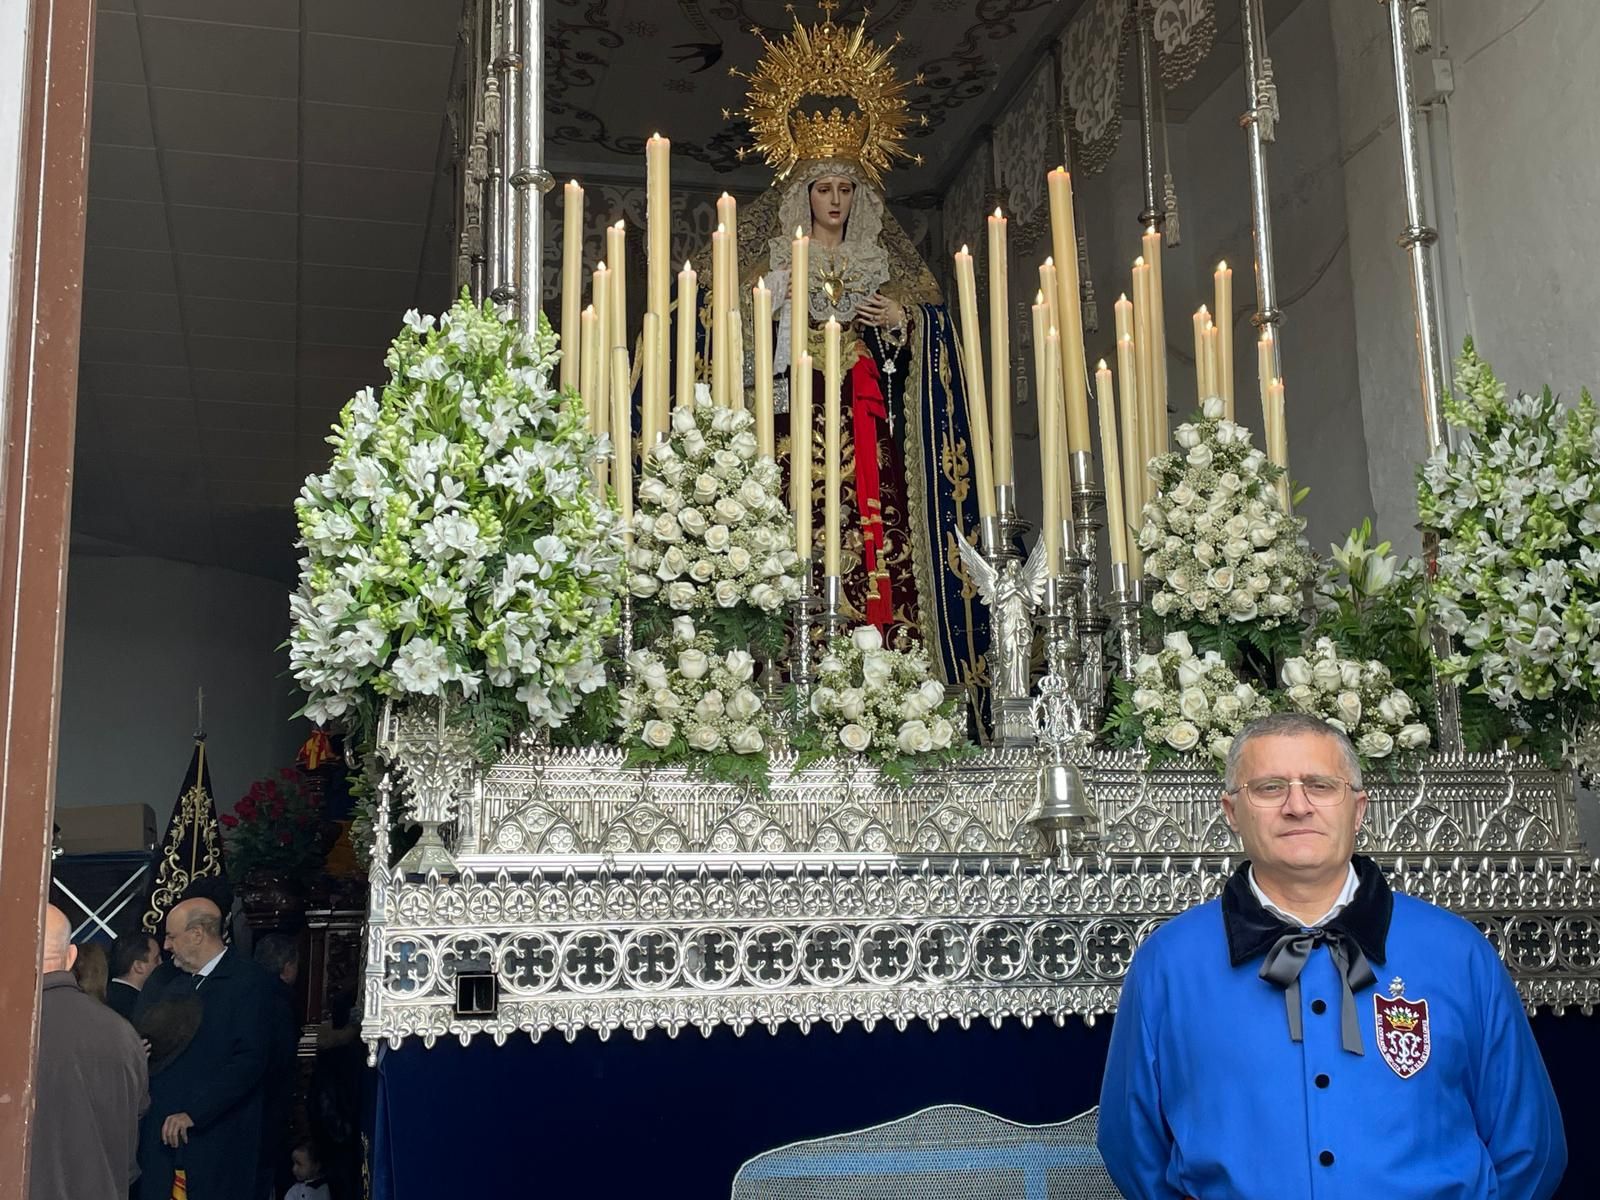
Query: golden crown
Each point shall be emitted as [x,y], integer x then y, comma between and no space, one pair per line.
[1402,1019]
[820,63]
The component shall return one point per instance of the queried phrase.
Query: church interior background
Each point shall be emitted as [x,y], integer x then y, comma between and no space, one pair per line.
[274,184]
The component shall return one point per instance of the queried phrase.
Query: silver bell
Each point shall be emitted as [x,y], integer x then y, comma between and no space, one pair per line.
[1062,801]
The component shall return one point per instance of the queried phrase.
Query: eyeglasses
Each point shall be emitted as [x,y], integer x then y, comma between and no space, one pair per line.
[1324,791]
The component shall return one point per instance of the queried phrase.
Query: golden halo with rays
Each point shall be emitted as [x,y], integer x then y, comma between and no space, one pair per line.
[821,63]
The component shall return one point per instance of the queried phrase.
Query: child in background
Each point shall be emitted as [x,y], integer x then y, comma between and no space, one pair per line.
[309,1184]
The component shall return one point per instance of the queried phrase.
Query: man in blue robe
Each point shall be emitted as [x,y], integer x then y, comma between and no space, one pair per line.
[1313,1034]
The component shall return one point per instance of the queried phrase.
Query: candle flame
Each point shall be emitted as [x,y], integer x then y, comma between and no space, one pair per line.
[1138,262]
[1223,265]
[761,283]
[1101,366]
[600,266]
[621,224]
[687,269]
[799,232]
[1049,260]
[1202,311]
[1052,332]
[998,215]
[722,229]
[1127,337]
[1123,299]
[1038,297]
[964,250]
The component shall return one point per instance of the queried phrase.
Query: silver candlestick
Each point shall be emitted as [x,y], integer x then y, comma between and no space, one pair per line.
[625,627]
[1012,590]
[1127,604]
[803,613]
[833,618]
[1062,807]
[1088,499]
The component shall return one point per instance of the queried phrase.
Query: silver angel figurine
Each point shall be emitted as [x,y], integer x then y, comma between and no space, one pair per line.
[1013,591]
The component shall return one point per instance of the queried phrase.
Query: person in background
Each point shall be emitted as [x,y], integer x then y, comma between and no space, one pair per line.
[205,1105]
[1310,1032]
[278,955]
[92,970]
[92,1086]
[133,957]
[307,1168]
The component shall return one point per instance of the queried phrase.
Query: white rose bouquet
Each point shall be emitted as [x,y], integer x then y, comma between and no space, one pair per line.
[883,705]
[1179,701]
[1215,536]
[455,547]
[1516,506]
[686,702]
[711,531]
[1356,697]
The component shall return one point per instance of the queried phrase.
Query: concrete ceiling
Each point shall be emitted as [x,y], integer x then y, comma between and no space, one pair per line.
[269,192]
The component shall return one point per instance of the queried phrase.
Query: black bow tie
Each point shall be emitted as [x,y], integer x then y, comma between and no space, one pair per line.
[1287,959]
[1355,939]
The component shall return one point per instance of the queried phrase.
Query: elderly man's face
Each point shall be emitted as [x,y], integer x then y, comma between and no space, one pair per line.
[184,942]
[1298,839]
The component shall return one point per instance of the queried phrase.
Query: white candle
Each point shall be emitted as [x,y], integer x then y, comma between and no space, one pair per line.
[977,405]
[1051,442]
[600,295]
[831,449]
[761,297]
[719,317]
[1110,464]
[622,439]
[1158,336]
[589,367]
[686,331]
[1000,350]
[571,285]
[799,304]
[1069,316]
[658,197]
[1222,286]
[1133,476]
[1201,319]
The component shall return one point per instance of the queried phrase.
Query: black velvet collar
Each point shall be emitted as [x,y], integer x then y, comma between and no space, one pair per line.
[1252,930]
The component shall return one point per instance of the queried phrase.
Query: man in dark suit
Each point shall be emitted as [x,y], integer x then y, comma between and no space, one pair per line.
[205,1107]
[133,957]
[91,1086]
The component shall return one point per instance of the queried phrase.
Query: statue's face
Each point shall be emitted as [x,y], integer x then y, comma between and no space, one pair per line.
[830,203]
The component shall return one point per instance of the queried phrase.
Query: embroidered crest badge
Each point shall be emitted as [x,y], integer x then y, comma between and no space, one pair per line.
[1401,1026]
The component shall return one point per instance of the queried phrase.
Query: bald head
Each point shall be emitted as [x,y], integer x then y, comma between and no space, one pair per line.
[59,952]
[194,933]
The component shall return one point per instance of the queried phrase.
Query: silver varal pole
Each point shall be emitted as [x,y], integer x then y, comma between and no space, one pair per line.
[1418,240]
[1268,316]
[507,75]
[531,180]
[1144,39]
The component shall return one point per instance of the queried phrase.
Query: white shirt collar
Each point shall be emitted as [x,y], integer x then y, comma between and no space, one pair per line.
[211,966]
[1346,894]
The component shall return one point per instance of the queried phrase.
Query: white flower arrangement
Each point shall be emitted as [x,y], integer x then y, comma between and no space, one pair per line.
[685,701]
[711,530]
[881,704]
[1517,509]
[1180,701]
[1214,534]
[1358,698]
[455,547]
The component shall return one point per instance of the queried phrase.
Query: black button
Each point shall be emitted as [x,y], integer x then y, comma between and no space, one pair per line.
[1326,1158]
[1322,1081]
[1319,1007]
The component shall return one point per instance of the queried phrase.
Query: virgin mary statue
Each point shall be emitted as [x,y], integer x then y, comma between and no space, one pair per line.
[908,477]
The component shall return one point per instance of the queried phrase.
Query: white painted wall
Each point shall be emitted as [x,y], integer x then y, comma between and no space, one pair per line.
[1514,164]
[142,635]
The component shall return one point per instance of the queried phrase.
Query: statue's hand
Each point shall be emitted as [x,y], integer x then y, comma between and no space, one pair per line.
[877,309]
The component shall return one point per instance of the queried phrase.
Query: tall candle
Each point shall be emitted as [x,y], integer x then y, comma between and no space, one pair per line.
[658,266]
[1266,365]
[736,395]
[728,290]
[719,316]
[1222,286]
[1144,344]
[1110,465]
[652,416]
[1201,319]
[622,438]
[762,328]
[1158,335]
[801,447]
[1279,442]
[617,256]
[1051,443]
[1042,368]
[1047,285]
[799,304]
[686,331]
[600,294]
[831,449]
[1069,316]
[1133,477]
[1209,343]
[972,373]
[571,285]
[1000,350]
[589,367]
